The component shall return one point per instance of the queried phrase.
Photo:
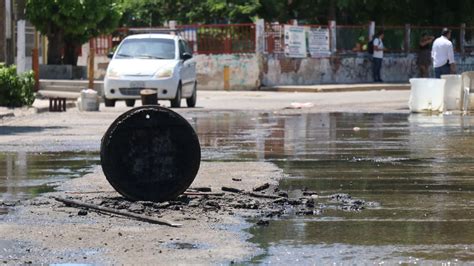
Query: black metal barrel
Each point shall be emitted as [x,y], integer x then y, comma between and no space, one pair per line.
[150,153]
[149,96]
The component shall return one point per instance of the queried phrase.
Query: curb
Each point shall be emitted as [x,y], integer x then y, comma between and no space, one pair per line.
[338,88]
[9,114]
[32,110]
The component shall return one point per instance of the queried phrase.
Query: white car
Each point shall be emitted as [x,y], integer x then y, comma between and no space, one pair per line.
[162,62]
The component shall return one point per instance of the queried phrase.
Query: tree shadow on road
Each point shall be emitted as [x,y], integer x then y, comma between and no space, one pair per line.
[13,130]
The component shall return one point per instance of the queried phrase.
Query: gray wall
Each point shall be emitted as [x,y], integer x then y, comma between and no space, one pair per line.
[250,71]
[244,73]
[355,68]
[351,68]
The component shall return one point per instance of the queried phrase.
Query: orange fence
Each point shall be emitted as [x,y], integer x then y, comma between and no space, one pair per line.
[102,44]
[274,38]
[241,38]
[203,39]
[220,39]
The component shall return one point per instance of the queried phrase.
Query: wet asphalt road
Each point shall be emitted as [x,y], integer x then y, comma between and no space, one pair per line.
[416,167]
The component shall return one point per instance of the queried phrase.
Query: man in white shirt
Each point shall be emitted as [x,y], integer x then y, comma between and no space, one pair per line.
[442,54]
[377,56]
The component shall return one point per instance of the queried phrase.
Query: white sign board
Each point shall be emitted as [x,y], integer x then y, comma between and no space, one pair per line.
[295,41]
[318,42]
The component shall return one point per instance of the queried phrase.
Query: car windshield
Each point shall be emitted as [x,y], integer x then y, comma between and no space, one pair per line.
[147,49]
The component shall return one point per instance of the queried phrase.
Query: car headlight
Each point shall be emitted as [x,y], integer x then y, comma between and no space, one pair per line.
[164,73]
[112,73]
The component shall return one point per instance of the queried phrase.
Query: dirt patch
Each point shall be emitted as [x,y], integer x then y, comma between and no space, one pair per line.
[47,231]
[212,214]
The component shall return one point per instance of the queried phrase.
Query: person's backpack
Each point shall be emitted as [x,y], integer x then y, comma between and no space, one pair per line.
[370,46]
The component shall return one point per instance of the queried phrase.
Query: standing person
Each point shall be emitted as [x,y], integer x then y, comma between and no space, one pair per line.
[377,56]
[424,55]
[442,54]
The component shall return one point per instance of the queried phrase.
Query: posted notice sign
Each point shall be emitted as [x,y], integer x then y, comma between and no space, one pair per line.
[318,42]
[295,41]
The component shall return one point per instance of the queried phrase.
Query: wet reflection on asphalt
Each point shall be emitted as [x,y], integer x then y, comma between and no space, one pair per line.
[24,175]
[420,168]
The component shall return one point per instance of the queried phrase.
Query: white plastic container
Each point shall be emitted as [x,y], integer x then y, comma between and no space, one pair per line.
[452,92]
[467,95]
[88,101]
[426,95]
[470,106]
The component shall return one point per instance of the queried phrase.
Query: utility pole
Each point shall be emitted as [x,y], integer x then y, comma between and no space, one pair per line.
[9,42]
[21,35]
[3,43]
[91,64]
[332,10]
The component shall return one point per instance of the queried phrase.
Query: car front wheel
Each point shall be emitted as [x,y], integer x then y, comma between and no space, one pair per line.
[176,102]
[191,102]
[130,102]
[109,102]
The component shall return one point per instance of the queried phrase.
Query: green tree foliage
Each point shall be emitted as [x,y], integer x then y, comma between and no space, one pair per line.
[16,90]
[417,12]
[157,12]
[70,23]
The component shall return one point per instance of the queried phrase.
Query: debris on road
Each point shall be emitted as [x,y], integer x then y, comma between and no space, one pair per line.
[231,189]
[297,105]
[118,212]
[231,199]
[261,187]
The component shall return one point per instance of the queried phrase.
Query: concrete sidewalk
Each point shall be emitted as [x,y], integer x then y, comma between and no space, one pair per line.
[42,105]
[338,87]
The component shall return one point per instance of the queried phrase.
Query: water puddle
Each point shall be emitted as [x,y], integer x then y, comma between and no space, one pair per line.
[418,168]
[25,175]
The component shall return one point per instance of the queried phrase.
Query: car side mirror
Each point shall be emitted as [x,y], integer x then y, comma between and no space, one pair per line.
[110,55]
[186,56]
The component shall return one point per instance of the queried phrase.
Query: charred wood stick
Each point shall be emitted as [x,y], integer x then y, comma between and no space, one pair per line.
[192,193]
[280,200]
[89,192]
[231,189]
[201,189]
[261,187]
[259,195]
[118,212]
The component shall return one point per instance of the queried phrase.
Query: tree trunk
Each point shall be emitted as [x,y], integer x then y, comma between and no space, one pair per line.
[70,53]
[20,9]
[332,10]
[55,47]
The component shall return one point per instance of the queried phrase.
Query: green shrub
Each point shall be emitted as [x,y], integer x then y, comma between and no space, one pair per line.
[16,90]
